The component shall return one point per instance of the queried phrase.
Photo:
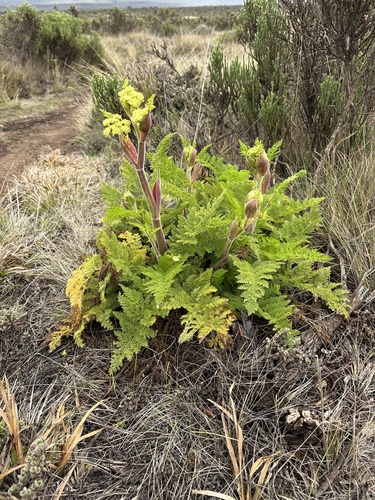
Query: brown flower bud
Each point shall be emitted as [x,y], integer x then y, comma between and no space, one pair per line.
[251,208]
[192,157]
[266,182]
[262,164]
[250,228]
[233,230]
[196,172]
[129,149]
[144,127]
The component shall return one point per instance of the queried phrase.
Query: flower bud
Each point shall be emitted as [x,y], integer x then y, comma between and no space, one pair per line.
[250,228]
[266,182]
[233,230]
[262,164]
[251,208]
[256,195]
[192,156]
[129,149]
[144,127]
[196,171]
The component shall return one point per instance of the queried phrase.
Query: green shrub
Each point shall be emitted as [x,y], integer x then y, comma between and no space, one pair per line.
[333,48]
[105,88]
[120,21]
[19,31]
[61,37]
[27,35]
[255,88]
[298,80]
[207,241]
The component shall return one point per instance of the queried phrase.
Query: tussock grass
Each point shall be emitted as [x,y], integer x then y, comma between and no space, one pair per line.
[122,52]
[47,222]
[30,79]
[46,446]
[18,80]
[348,183]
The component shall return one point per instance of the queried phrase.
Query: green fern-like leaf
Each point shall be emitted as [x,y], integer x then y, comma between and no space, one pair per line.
[111,195]
[303,276]
[276,308]
[209,314]
[254,279]
[125,254]
[299,226]
[115,218]
[283,186]
[175,184]
[203,230]
[135,319]
[273,151]
[162,277]
[162,149]
[206,312]
[292,250]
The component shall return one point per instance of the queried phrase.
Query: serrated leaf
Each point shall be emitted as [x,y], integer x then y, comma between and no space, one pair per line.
[162,276]
[254,279]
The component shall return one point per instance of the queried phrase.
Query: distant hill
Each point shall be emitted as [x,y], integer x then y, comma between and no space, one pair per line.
[107,4]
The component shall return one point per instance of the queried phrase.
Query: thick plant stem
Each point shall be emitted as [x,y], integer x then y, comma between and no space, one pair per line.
[225,255]
[233,233]
[155,214]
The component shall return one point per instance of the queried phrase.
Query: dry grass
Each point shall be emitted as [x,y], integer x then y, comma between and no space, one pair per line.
[31,79]
[123,52]
[348,183]
[184,422]
[47,224]
[51,444]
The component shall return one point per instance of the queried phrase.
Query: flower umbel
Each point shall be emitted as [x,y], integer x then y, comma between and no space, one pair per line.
[140,119]
[132,100]
[115,124]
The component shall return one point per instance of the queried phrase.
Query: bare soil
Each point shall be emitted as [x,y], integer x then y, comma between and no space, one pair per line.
[23,140]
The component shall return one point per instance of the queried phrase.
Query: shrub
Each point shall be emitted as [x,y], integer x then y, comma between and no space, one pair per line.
[19,30]
[207,240]
[299,80]
[61,37]
[255,89]
[26,35]
[105,88]
[336,49]
[120,21]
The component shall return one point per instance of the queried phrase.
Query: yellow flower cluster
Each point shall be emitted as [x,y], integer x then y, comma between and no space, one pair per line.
[130,98]
[131,101]
[115,124]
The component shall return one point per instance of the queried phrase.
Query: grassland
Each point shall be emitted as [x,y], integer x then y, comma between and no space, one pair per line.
[181,421]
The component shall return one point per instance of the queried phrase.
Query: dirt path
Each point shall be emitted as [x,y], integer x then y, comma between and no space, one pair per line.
[23,140]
